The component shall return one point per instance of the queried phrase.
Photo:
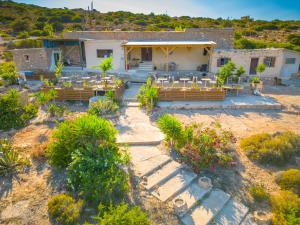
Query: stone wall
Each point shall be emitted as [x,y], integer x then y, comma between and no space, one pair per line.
[32,59]
[223,37]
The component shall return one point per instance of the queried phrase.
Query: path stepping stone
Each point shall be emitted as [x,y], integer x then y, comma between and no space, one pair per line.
[162,174]
[192,195]
[141,153]
[147,166]
[209,208]
[248,220]
[233,213]
[174,185]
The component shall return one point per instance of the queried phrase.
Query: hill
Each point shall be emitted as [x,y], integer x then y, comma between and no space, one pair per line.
[24,20]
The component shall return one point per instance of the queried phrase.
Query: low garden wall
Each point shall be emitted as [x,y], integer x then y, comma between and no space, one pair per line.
[191,94]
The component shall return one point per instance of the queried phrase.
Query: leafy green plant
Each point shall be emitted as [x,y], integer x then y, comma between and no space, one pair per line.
[225,72]
[259,193]
[260,68]
[55,110]
[59,67]
[290,180]
[285,208]
[12,113]
[102,164]
[276,149]
[171,127]
[64,209]
[72,134]
[255,80]
[148,96]
[44,97]
[10,160]
[122,215]
[8,72]
[103,107]
[105,65]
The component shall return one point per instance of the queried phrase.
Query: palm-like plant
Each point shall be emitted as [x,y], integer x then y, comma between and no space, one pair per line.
[10,160]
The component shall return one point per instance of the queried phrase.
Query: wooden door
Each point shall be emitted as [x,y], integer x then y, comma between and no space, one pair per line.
[146,54]
[253,65]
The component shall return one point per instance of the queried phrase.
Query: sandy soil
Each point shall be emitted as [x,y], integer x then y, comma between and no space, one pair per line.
[245,123]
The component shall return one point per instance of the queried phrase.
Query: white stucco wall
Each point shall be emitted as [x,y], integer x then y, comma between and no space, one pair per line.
[242,57]
[290,69]
[91,47]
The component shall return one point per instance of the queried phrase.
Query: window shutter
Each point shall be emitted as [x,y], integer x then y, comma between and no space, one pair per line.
[218,62]
[273,61]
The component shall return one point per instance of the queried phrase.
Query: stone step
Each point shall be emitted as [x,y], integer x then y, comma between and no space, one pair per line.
[174,185]
[162,174]
[191,195]
[233,213]
[132,104]
[207,210]
[248,220]
[150,165]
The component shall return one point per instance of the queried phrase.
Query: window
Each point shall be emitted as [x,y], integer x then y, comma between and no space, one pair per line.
[269,61]
[104,53]
[222,61]
[26,57]
[290,60]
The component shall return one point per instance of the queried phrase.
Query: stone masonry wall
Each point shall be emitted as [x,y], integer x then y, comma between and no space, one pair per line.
[223,37]
[39,59]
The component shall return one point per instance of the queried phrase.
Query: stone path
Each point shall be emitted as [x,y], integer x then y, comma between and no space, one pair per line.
[194,199]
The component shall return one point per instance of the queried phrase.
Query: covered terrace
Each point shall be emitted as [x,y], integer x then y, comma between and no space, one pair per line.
[168,55]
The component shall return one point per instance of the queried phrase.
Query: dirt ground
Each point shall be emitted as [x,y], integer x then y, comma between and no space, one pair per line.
[23,198]
[243,123]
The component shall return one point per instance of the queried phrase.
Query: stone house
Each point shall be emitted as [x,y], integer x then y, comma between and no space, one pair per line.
[136,52]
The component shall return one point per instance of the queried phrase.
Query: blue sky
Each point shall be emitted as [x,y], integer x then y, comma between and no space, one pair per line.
[258,9]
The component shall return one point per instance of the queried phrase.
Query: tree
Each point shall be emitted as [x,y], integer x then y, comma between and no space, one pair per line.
[225,72]
[21,25]
[48,29]
[260,69]
[105,65]
[59,67]
[8,72]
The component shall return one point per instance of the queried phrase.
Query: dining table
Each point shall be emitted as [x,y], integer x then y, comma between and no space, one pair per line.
[184,79]
[206,80]
[162,80]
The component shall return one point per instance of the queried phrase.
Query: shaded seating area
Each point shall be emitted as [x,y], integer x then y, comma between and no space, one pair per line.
[82,88]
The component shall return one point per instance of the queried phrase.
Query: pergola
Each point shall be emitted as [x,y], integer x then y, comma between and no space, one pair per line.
[166,46]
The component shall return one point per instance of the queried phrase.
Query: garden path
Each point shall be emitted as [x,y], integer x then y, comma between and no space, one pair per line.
[172,182]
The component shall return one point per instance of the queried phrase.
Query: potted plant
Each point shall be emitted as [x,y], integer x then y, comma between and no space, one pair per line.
[255,84]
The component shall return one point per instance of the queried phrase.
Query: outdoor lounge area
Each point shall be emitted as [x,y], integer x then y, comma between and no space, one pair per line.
[83,88]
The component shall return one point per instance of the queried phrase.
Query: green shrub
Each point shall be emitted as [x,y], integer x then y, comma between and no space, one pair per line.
[171,127]
[95,173]
[277,149]
[23,35]
[12,113]
[10,160]
[103,107]
[55,110]
[206,147]
[259,193]
[122,215]
[290,180]
[285,208]
[255,80]
[71,135]
[65,209]
[8,72]
[148,96]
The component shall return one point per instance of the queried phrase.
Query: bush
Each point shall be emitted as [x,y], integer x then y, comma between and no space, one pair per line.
[55,110]
[12,113]
[83,131]
[96,174]
[8,72]
[103,107]
[148,96]
[65,209]
[206,147]
[277,149]
[23,35]
[285,208]
[171,127]
[290,180]
[259,193]
[121,214]
[10,160]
